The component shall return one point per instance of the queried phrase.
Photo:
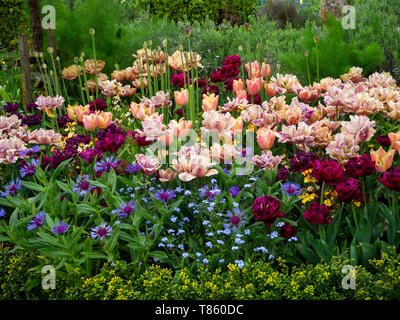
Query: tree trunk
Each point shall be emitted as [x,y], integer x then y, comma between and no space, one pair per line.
[37,33]
[25,69]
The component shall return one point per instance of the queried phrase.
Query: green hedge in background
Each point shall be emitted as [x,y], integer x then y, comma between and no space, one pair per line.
[11,19]
[235,11]
[21,279]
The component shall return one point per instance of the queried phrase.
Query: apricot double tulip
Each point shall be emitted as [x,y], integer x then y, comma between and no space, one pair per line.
[96,120]
[181,128]
[383,160]
[78,112]
[395,140]
[140,111]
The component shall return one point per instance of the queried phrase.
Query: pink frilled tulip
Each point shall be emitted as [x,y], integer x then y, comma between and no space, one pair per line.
[254,86]
[167,175]
[182,97]
[194,167]
[78,112]
[266,137]
[210,102]
[255,69]
[383,160]
[96,120]
[148,165]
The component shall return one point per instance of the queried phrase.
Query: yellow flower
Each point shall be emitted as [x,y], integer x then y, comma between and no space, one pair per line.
[357,203]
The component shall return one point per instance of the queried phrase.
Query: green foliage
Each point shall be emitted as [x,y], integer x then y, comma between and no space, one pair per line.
[72,32]
[379,280]
[235,11]
[331,55]
[11,19]
[378,21]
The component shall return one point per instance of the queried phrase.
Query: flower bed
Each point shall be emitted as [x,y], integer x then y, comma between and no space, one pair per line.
[158,165]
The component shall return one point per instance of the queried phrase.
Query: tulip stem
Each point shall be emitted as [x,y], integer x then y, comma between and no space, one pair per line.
[354,215]
[322,192]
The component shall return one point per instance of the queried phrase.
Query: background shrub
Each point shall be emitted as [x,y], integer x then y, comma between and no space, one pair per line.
[11,20]
[235,11]
[379,21]
[330,54]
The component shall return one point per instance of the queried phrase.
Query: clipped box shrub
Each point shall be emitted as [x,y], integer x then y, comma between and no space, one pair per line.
[21,279]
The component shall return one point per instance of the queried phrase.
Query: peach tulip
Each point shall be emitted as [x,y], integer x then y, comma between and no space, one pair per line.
[167,138]
[270,89]
[253,86]
[210,102]
[395,140]
[237,86]
[266,137]
[255,69]
[181,97]
[383,160]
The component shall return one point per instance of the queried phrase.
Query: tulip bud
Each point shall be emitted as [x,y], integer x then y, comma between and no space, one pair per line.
[44,66]
[316,39]
[76,59]
[150,43]
[50,50]
[57,58]
[247,26]
[180,48]
[278,67]
[165,43]
[145,45]
[258,46]
[240,49]
[92,31]
[306,53]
